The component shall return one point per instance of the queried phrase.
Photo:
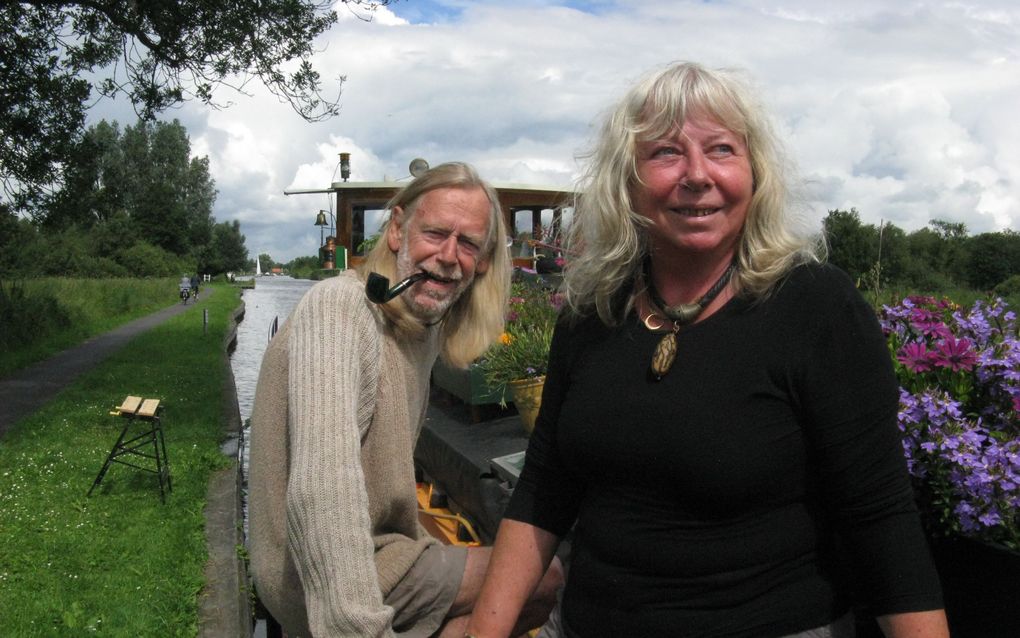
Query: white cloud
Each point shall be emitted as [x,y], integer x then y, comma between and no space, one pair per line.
[903,111]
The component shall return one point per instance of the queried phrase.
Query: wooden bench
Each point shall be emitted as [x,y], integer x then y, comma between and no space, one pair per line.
[145,412]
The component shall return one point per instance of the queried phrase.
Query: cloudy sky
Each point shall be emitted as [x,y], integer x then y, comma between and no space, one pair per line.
[907,111]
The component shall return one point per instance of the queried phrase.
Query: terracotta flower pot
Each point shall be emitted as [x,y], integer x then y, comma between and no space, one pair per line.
[527,396]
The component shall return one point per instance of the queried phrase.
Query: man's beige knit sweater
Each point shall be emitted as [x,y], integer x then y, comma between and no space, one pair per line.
[332,509]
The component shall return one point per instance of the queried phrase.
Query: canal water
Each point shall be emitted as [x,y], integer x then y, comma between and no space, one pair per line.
[271,300]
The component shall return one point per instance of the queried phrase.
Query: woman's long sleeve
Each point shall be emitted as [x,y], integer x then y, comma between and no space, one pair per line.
[848,397]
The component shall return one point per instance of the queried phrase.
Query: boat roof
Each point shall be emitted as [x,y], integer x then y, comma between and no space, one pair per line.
[511,194]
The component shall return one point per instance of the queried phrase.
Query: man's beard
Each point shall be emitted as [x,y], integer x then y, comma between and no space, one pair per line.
[426,303]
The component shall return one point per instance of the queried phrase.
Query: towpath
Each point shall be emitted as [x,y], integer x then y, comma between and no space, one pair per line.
[28,389]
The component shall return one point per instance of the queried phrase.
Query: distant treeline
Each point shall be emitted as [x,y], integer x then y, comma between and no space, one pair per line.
[939,257]
[128,204]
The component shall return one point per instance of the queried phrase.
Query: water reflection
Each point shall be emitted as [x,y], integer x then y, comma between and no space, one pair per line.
[273,298]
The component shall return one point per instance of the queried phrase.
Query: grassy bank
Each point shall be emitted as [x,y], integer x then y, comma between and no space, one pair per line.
[41,317]
[118,563]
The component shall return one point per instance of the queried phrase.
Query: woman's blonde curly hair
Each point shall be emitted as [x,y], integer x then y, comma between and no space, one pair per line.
[607,238]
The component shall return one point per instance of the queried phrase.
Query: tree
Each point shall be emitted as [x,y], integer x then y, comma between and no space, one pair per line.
[20,243]
[894,253]
[93,182]
[936,255]
[173,193]
[157,54]
[993,258]
[147,174]
[853,246]
[266,262]
[226,252]
[307,267]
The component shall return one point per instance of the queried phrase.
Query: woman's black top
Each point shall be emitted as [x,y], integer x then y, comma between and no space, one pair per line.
[728,498]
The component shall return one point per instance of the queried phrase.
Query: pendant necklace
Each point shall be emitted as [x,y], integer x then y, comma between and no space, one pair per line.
[681,315]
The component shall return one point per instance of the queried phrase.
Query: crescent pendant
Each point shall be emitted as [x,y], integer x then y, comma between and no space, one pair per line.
[648,322]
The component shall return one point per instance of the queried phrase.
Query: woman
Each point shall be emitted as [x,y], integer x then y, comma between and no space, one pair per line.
[718,426]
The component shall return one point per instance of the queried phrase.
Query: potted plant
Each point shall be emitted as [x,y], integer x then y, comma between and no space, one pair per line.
[519,361]
[959,375]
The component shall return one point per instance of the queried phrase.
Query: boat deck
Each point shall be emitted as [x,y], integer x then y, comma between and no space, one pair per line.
[456,456]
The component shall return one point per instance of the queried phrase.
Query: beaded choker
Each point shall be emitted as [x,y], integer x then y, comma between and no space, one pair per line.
[680,315]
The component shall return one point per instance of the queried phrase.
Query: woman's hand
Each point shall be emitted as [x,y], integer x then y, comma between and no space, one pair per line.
[520,556]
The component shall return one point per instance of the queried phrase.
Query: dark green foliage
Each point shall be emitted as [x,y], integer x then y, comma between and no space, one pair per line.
[227,252]
[1009,288]
[133,204]
[43,316]
[992,259]
[853,246]
[938,258]
[305,268]
[267,263]
[41,104]
[58,58]
[17,240]
[939,251]
[26,318]
[143,259]
[144,176]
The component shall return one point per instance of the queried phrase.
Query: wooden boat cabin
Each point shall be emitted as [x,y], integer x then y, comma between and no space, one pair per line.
[533,213]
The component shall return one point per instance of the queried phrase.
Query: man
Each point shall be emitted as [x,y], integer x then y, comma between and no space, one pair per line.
[336,548]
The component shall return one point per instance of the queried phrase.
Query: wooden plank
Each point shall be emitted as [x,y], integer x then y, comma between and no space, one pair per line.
[149,407]
[130,405]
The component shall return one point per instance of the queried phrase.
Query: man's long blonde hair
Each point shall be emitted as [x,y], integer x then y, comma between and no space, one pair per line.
[609,238]
[475,321]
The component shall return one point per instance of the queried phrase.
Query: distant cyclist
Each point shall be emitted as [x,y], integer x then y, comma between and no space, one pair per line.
[184,287]
[194,286]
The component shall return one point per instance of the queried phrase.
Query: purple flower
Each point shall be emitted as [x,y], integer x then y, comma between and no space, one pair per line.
[959,412]
[915,357]
[928,323]
[990,519]
[955,354]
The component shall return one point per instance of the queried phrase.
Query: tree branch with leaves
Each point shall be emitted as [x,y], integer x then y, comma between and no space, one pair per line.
[58,58]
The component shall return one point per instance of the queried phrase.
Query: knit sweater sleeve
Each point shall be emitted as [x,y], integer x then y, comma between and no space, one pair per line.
[334,354]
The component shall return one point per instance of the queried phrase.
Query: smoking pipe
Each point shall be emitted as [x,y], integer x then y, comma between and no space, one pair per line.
[378,290]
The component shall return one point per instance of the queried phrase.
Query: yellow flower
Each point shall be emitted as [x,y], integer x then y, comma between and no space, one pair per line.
[506,338]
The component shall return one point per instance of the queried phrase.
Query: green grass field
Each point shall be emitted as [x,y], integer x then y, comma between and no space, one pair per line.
[118,563]
[42,317]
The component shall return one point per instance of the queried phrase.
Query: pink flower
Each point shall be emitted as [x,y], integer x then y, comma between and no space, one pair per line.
[929,323]
[915,357]
[955,354]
